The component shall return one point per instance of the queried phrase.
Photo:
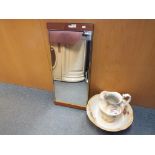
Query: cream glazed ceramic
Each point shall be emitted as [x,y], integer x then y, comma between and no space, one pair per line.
[113,103]
[96,116]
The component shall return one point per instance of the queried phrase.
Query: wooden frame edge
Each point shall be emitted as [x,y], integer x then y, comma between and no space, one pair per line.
[70,105]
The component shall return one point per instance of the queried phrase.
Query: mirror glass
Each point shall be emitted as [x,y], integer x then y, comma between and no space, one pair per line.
[71,55]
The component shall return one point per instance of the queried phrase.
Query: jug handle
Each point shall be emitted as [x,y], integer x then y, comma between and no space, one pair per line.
[127,98]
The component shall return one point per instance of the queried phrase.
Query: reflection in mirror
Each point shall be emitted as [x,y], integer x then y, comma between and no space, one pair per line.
[71,55]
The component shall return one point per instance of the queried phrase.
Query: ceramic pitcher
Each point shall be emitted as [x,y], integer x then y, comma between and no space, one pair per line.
[113,103]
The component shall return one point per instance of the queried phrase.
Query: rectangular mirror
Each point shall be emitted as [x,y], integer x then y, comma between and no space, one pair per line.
[71,51]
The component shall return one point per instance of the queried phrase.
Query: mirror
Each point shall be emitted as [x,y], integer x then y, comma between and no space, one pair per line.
[71,50]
